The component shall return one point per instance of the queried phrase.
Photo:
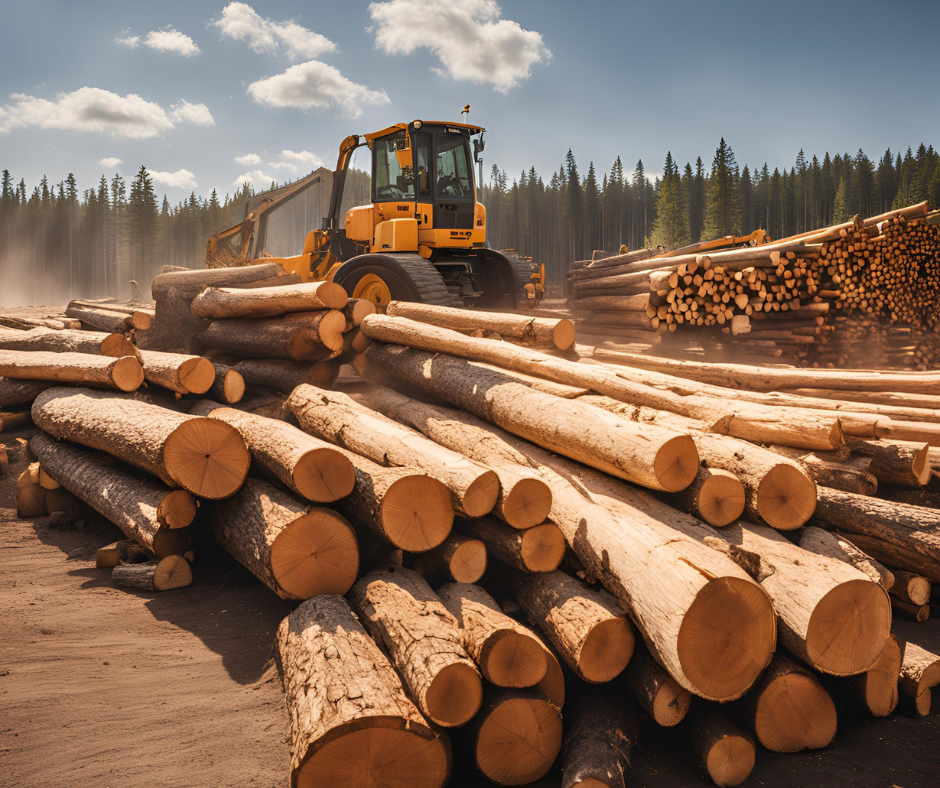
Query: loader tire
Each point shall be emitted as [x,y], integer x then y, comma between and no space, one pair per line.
[381,278]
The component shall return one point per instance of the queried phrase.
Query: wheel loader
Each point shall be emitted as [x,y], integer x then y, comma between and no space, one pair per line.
[422,238]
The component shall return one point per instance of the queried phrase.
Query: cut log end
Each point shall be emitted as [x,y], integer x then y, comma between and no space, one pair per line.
[30,501]
[316,554]
[786,497]
[480,497]
[518,741]
[172,572]
[606,650]
[727,638]
[528,503]
[233,386]
[196,375]
[330,332]
[543,548]
[795,713]
[513,659]
[207,457]
[671,704]
[848,628]
[563,334]
[468,562]
[117,346]
[730,760]
[454,696]
[127,374]
[324,475]
[676,463]
[177,509]
[417,513]
[370,752]
[721,500]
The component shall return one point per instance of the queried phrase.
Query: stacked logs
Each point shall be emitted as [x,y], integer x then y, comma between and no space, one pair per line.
[863,290]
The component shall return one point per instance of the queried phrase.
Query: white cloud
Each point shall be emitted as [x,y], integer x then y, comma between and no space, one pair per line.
[314,85]
[283,165]
[249,159]
[197,114]
[110,162]
[97,110]
[181,179]
[241,22]
[304,156]
[171,40]
[255,177]
[128,40]
[468,38]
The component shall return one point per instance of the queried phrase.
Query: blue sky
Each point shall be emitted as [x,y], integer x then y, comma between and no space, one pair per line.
[219,81]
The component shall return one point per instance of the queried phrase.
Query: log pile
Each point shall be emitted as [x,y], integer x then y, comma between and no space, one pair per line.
[862,293]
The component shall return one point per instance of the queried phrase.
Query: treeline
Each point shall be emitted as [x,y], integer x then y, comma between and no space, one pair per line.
[58,243]
[574,214]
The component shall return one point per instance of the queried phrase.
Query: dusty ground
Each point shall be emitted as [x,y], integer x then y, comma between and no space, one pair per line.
[102,687]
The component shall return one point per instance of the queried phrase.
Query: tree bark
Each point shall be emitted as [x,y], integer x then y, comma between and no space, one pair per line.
[13,420]
[911,588]
[100,319]
[302,336]
[286,375]
[896,462]
[715,496]
[558,333]
[524,498]
[458,559]
[312,468]
[68,341]
[229,385]
[355,311]
[204,456]
[537,549]
[828,473]
[658,693]
[178,372]
[587,627]
[163,575]
[126,551]
[920,673]
[876,690]
[789,709]
[831,545]
[296,550]
[21,392]
[145,510]
[516,736]
[725,751]
[647,455]
[507,653]
[124,373]
[30,501]
[423,642]
[602,731]
[351,722]
[335,416]
[223,302]
[900,535]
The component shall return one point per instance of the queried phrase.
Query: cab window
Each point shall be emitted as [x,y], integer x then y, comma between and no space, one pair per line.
[394,170]
[453,168]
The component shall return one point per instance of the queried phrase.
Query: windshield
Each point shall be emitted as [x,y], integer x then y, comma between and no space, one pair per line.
[453,167]
[394,173]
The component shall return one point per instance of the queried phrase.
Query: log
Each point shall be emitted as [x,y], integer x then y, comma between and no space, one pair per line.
[142,318]
[13,420]
[21,392]
[125,551]
[229,385]
[101,319]
[789,710]
[600,735]
[124,373]
[751,421]
[552,685]
[30,501]
[524,498]
[146,511]
[647,455]
[178,372]
[191,281]
[831,615]
[726,752]
[306,465]
[336,417]
[224,302]
[920,673]
[911,588]
[900,535]
[355,311]
[507,653]
[832,545]
[896,462]
[715,496]
[163,575]
[537,549]
[837,475]
[458,558]
[552,332]
[68,341]
[351,722]
[658,693]
[918,613]
[204,456]
[302,336]
[60,500]
[286,375]
[516,736]
[422,639]
[296,550]
[587,627]
[876,690]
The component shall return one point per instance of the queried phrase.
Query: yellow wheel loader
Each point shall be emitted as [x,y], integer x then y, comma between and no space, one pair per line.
[422,238]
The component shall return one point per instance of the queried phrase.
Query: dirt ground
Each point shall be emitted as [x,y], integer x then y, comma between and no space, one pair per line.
[105,687]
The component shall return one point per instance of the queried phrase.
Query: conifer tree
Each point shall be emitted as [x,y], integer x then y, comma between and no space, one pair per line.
[671,228]
[722,202]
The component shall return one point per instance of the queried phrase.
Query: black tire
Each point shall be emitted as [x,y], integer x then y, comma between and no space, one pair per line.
[409,277]
[506,278]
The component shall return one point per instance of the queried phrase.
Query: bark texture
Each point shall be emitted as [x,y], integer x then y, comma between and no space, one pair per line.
[658,693]
[537,549]
[302,336]
[21,392]
[124,373]
[831,545]
[216,302]
[601,733]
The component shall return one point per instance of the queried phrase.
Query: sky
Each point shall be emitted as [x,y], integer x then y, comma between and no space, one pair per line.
[210,93]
